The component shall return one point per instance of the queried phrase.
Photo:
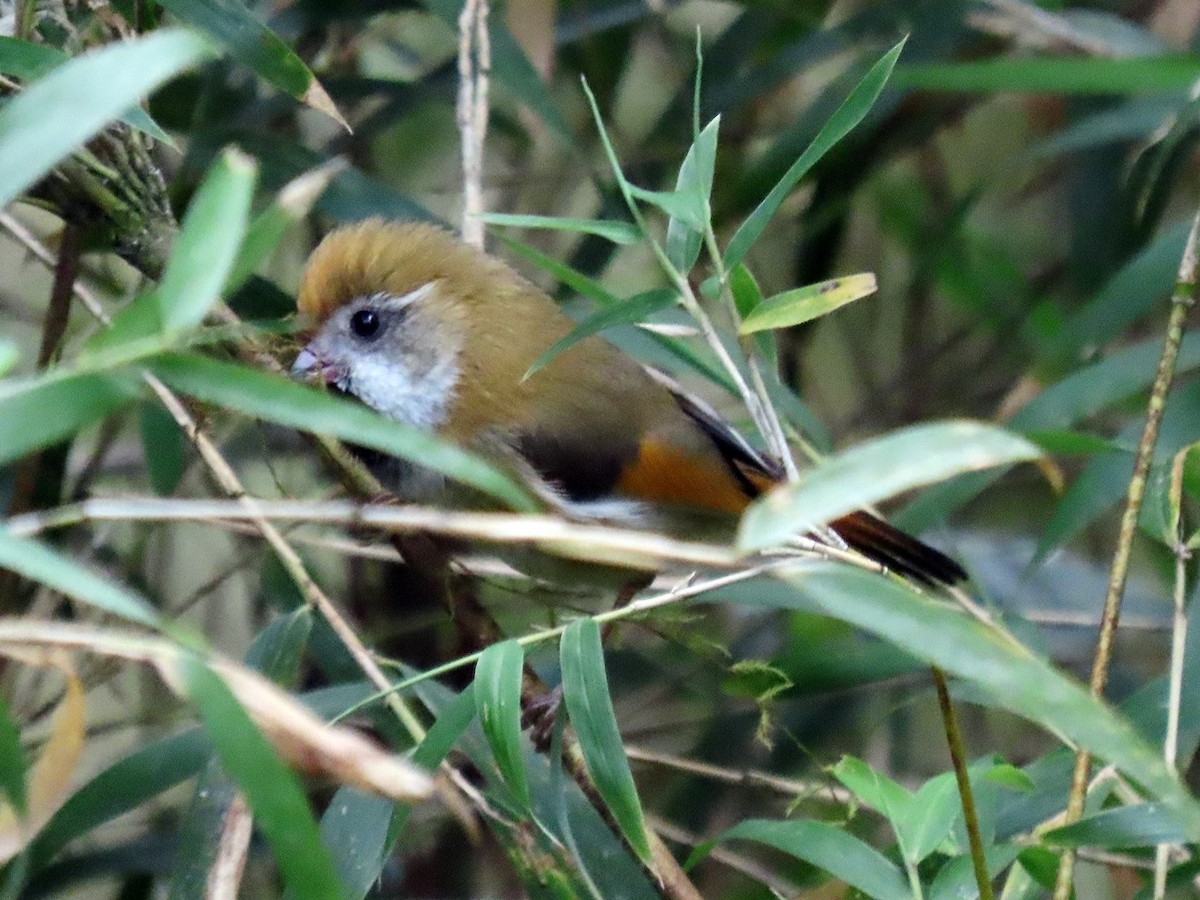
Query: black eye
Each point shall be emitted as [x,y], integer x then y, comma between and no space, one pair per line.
[365,323]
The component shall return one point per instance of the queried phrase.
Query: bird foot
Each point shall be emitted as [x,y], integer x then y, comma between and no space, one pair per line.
[539,715]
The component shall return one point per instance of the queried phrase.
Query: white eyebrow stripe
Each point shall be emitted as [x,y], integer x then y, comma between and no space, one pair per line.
[389,302]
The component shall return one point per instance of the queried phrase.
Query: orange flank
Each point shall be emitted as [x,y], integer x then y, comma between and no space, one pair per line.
[665,474]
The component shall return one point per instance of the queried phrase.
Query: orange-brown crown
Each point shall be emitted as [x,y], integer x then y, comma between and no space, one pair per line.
[376,256]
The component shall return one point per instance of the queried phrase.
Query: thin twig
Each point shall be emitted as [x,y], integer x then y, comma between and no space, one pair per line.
[474,67]
[1162,853]
[627,611]
[233,847]
[958,758]
[789,787]
[586,541]
[748,867]
[1182,301]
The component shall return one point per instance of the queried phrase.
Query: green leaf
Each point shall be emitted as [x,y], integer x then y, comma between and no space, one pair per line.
[626,312]
[29,62]
[956,879]
[876,790]
[77,401]
[1011,675]
[13,763]
[208,242]
[350,827]
[202,256]
[1061,405]
[1009,776]
[1057,75]
[1064,442]
[354,830]
[687,206]
[162,448]
[610,230]
[585,692]
[280,808]
[1100,385]
[847,116]
[279,648]
[1138,287]
[275,652]
[695,177]
[8,355]
[50,118]
[804,304]
[293,202]
[37,562]
[123,786]
[199,834]
[275,399]
[930,817]
[874,471]
[593,290]
[498,700]
[257,47]
[831,849]
[1143,825]
[452,720]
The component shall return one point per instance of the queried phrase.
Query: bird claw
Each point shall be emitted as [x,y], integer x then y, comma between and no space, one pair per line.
[539,715]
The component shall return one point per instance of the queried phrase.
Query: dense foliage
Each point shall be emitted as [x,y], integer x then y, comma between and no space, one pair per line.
[992,198]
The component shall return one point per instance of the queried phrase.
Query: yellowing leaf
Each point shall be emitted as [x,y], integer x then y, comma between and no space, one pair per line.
[49,780]
[806,303]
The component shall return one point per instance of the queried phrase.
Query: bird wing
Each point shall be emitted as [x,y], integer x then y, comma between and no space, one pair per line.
[688,456]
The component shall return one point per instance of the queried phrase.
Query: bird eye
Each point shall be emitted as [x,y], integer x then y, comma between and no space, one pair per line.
[365,323]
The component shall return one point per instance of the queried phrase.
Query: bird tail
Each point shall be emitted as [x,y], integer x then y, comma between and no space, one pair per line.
[900,552]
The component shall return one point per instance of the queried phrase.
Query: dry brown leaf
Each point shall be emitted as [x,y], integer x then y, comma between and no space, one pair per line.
[49,779]
[312,746]
[297,734]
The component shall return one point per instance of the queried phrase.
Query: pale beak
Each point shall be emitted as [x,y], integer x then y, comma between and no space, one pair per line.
[306,364]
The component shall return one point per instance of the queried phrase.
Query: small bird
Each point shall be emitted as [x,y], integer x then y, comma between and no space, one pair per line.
[437,334]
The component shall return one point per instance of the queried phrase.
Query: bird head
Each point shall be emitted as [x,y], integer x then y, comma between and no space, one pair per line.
[391,305]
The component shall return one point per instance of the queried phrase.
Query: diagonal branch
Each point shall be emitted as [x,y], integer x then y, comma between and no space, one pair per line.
[1182,301]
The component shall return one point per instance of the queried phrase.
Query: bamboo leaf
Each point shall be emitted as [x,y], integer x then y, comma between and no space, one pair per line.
[626,312]
[29,62]
[290,206]
[123,786]
[200,262]
[280,809]
[1143,825]
[804,304]
[695,177]
[53,116]
[51,774]
[1013,677]
[275,399]
[37,562]
[829,848]
[77,400]
[609,229]
[256,46]
[868,473]
[847,116]
[498,700]
[13,763]
[585,692]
